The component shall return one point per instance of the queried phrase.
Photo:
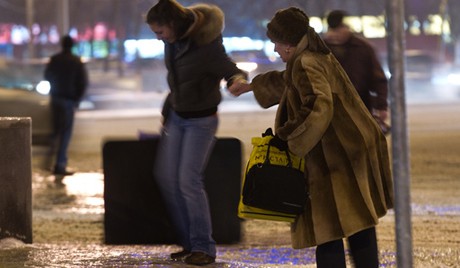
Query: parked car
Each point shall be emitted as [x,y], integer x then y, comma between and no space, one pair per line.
[419,65]
[22,95]
[20,102]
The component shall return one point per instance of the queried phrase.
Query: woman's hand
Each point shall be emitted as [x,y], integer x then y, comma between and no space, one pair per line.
[239,87]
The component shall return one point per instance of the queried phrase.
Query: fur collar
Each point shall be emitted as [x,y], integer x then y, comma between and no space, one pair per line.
[208,24]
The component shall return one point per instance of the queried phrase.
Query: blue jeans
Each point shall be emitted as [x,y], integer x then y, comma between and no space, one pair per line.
[63,111]
[182,156]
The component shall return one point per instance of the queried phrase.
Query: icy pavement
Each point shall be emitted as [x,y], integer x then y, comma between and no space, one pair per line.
[80,198]
[87,189]
[95,255]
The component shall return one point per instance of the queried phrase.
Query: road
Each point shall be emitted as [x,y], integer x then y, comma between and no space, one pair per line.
[124,107]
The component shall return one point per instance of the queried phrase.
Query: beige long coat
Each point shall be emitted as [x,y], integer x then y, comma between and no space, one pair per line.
[347,162]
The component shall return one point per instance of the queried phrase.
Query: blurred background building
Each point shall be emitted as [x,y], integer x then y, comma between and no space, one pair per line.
[123,55]
[115,29]
[112,34]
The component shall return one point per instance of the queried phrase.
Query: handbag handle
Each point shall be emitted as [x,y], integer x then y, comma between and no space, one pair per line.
[267,158]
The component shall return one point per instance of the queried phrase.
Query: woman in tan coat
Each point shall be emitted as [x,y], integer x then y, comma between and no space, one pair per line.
[322,118]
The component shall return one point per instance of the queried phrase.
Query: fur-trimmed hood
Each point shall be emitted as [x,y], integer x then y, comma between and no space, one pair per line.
[209,23]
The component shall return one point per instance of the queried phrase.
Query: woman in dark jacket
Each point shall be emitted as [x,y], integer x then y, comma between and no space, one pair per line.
[196,62]
[322,118]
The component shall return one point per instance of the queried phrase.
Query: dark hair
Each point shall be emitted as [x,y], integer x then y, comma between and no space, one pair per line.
[335,18]
[67,42]
[170,12]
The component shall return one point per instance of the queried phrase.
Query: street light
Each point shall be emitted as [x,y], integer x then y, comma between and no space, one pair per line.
[30,21]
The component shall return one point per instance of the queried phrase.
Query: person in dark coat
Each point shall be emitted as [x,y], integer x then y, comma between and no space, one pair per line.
[196,62]
[68,78]
[360,62]
[322,118]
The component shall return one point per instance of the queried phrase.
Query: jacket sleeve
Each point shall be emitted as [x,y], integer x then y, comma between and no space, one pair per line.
[268,88]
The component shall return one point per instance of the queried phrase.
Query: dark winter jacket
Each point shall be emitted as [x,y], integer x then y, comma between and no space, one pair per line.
[67,76]
[358,58]
[197,63]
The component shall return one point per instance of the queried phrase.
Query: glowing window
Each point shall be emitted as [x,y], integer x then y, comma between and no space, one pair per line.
[433,25]
[374,27]
[355,23]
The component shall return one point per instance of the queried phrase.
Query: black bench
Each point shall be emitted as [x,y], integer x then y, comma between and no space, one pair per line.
[134,210]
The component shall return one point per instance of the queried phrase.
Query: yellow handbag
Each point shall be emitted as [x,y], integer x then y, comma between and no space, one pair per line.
[274,187]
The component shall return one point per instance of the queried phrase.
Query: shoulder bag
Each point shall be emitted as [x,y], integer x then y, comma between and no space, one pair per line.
[274,186]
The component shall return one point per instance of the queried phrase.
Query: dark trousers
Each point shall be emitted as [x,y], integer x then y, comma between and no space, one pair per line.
[63,111]
[363,247]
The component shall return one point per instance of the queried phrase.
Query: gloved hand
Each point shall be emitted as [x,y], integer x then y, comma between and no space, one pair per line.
[279,143]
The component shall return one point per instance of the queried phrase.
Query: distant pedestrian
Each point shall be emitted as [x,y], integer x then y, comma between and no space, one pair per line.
[196,62]
[321,117]
[68,78]
[359,60]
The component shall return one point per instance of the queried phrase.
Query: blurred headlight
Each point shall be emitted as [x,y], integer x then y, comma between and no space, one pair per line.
[454,79]
[247,66]
[43,87]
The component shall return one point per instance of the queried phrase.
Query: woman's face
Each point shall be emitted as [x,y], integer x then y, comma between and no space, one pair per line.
[284,50]
[163,32]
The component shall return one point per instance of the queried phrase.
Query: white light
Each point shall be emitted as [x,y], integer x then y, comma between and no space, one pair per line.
[242,43]
[43,87]
[269,50]
[317,24]
[453,79]
[150,48]
[246,66]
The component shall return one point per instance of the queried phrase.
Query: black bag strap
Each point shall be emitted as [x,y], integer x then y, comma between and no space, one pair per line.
[267,157]
[268,132]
